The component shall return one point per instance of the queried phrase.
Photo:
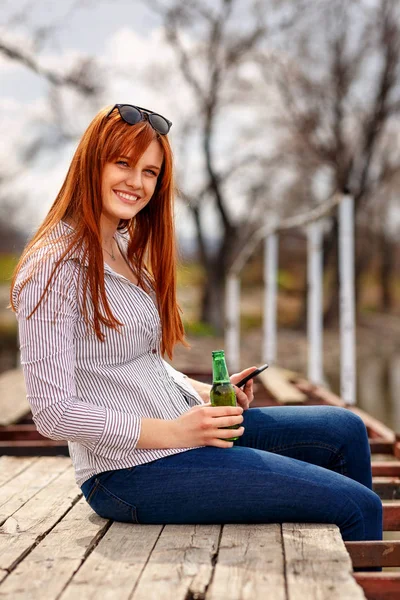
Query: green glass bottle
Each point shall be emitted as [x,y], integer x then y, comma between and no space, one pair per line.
[222,391]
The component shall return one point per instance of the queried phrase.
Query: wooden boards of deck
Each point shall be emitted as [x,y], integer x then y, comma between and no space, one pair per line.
[53,546]
[13,403]
[277,382]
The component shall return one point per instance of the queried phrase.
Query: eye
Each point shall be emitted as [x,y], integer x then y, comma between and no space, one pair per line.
[122,163]
[151,172]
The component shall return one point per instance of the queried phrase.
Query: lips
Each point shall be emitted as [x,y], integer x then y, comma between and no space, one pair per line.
[126,197]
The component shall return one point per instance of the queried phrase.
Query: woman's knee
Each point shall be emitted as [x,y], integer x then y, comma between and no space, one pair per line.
[347,424]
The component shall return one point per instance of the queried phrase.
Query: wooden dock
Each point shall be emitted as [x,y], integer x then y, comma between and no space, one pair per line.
[52,545]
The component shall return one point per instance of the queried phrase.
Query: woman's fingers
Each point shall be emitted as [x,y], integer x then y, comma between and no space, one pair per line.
[226,421]
[229,433]
[221,411]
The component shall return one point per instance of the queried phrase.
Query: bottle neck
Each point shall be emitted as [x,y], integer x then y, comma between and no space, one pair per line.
[220,371]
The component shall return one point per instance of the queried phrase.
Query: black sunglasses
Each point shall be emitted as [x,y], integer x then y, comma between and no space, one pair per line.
[134,114]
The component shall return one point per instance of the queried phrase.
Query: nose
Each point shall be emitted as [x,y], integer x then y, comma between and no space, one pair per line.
[134,179]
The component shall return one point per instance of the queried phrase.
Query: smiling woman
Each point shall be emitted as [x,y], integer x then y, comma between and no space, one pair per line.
[95,298]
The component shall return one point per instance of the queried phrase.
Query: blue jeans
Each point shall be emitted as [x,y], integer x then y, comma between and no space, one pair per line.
[292,464]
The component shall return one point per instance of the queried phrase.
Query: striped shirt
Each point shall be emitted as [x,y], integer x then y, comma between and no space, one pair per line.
[92,393]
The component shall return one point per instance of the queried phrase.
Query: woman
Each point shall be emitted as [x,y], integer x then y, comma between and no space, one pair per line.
[95,297]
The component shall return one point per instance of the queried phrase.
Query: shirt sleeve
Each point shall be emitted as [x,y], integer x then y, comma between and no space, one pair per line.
[48,363]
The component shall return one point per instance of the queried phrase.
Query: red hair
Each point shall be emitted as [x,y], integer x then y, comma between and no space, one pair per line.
[151,244]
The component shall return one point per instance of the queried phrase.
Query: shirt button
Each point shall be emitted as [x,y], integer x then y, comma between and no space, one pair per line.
[154,351]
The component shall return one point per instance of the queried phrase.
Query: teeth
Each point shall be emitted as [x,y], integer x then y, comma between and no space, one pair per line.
[127,196]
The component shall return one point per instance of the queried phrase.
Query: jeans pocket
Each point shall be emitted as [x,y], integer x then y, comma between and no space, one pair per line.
[109,506]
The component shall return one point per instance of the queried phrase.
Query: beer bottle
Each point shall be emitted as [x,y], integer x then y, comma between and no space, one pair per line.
[222,391]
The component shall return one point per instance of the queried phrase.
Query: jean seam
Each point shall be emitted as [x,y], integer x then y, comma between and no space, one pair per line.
[92,491]
[131,507]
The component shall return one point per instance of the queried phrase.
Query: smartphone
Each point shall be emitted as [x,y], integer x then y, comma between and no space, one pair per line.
[252,374]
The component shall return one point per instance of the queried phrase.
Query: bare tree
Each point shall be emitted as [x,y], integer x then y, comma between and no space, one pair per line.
[225,35]
[82,85]
[339,86]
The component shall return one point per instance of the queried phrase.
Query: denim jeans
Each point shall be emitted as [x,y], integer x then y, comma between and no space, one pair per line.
[292,464]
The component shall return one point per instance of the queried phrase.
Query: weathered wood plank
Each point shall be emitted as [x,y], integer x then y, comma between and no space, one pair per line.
[10,466]
[57,557]
[28,483]
[275,381]
[250,564]
[113,568]
[34,519]
[180,565]
[13,403]
[317,563]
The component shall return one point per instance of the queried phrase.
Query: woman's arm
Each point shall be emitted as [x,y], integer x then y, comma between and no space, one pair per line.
[203,389]
[48,363]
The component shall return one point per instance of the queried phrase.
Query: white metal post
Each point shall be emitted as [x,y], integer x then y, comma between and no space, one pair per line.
[232,322]
[269,349]
[347,300]
[315,302]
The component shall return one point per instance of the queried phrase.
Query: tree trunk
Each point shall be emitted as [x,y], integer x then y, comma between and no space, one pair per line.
[386,272]
[213,300]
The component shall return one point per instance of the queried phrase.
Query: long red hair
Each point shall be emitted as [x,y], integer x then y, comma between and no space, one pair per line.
[151,248]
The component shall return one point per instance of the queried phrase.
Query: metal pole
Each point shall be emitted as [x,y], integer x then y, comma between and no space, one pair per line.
[347,300]
[232,322]
[269,349]
[315,303]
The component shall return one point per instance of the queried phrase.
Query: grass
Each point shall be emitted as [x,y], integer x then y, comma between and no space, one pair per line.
[8,262]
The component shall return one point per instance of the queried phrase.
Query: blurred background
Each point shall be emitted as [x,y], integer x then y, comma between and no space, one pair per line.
[275,105]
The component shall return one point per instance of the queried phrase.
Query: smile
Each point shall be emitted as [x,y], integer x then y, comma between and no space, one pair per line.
[128,198]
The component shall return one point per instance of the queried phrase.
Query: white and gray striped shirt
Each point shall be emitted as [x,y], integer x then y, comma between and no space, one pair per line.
[91,393]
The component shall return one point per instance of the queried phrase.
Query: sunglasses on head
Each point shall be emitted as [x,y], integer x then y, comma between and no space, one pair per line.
[134,114]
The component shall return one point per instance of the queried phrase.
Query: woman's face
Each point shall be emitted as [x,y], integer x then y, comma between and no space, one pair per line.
[125,188]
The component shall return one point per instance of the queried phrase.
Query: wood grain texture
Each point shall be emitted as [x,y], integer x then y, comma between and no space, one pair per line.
[115,565]
[318,566]
[34,519]
[276,382]
[181,563]
[47,569]
[29,482]
[10,466]
[250,564]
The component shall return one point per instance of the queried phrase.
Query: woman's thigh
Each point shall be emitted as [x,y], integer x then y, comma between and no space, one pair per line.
[237,485]
[327,436]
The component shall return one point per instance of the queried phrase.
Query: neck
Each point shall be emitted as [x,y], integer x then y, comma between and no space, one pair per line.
[108,229]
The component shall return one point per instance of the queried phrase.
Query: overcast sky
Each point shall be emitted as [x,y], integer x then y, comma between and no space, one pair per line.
[126,37]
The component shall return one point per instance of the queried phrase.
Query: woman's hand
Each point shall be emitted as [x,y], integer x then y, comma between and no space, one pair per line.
[244,397]
[200,426]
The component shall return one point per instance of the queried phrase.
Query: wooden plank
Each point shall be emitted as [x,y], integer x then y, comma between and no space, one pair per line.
[374,554]
[10,466]
[250,564]
[180,565]
[387,488]
[57,557]
[380,446]
[13,403]
[28,483]
[386,468]
[34,519]
[391,516]
[317,563]
[375,427]
[113,568]
[318,393]
[276,383]
[379,586]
